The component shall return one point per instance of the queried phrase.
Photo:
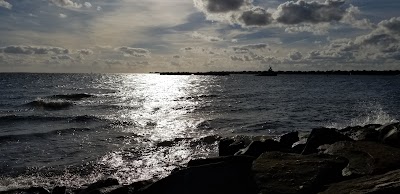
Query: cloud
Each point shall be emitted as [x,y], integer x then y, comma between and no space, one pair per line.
[66,3]
[62,57]
[135,52]
[5,4]
[310,12]
[85,52]
[257,16]
[62,15]
[198,35]
[24,49]
[220,6]
[87,5]
[295,55]
[246,48]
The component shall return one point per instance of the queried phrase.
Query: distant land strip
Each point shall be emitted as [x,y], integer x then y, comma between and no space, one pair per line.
[224,73]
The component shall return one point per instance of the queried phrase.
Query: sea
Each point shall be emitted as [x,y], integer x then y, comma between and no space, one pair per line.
[74,129]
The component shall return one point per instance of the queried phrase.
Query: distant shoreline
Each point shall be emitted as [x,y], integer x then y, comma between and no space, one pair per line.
[352,72]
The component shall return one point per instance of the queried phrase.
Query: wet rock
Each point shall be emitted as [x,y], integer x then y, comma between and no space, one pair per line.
[31,190]
[116,189]
[298,148]
[229,146]
[277,172]
[59,190]
[365,133]
[366,157]
[289,139]
[225,176]
[227,159]
[388,183]
[321,136]
[99,184]
[256,148]
[390,134]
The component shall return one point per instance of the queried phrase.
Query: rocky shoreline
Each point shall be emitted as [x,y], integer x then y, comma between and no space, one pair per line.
[361,159]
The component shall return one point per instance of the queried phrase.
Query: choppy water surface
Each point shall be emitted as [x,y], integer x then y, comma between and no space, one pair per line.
[71,129]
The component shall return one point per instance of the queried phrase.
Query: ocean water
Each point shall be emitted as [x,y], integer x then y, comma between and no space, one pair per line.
[73,129]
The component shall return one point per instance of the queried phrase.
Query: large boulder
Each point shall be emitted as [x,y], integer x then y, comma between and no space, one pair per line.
[228,146]
[362,133]
[95,187]
[388,183]
[277,172]
[366,157]
[230,175]
[321,136]
[287,140]
[256,148]
[390,134]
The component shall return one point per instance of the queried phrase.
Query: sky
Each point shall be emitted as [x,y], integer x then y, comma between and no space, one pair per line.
[198,35]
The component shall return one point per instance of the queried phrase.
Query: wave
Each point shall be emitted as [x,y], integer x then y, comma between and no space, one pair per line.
[50,105]
[33,118]
[72,97]
[376,116]
[17,137]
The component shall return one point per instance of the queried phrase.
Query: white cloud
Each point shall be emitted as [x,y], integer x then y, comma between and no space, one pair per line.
[66,3]
[62,15]
[5,4]
[87,5]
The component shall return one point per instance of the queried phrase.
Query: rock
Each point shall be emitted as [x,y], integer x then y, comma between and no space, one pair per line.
[388,183]
[321,136]
[115,189]
[59,190]
[365,133]
[366,157]
[99,184]
[289,139]
[390,134]
[228,146]
[256,148]
[231,176]
[277,172]
[298,148]
[31,190]
[228,159]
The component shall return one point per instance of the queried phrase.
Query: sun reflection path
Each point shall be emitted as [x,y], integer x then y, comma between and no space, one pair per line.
[164,104]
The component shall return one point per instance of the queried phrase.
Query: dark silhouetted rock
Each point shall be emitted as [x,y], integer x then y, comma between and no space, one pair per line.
[321,136]
[277,172]
[231,176]
[31,190]
[289,139]
[388,183]
[256,148]
[390,134]
[298,148]
[365,133]
[100,184]
[366,157]
[59,190]
[228,146]
[115,189]
[227,159]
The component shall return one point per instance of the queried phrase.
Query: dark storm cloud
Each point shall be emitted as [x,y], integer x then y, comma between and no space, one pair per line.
[295,56]
[135,52]
[24,49]
[312,12]
[218,6]
[255,17]
[392,25]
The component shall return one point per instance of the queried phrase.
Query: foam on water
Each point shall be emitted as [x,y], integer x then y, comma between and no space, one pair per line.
[373,114]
